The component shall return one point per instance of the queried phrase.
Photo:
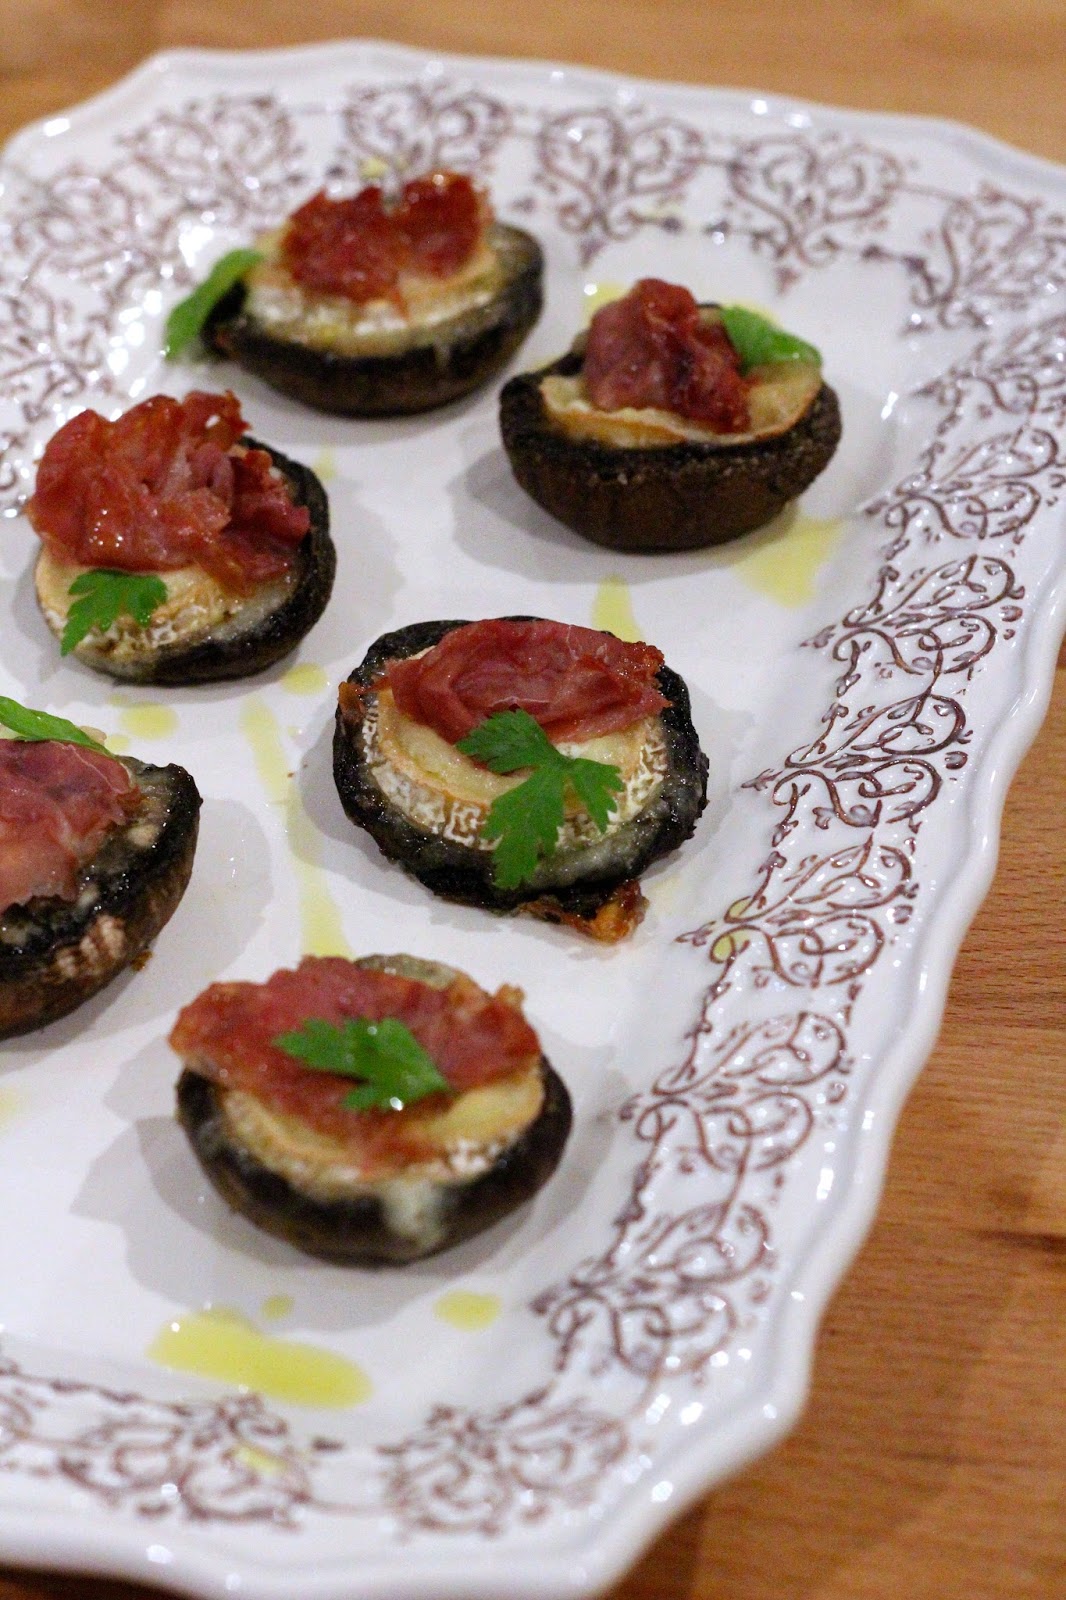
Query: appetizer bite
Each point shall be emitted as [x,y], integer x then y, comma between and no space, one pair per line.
[95,853]
[175,550]
[670,425]
[369,1111]
[521,765]
[372,306]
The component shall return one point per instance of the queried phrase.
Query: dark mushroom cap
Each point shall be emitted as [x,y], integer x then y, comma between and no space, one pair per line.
[650,499]
[357,1231]
[56,953]
[435,367]
[255,637]
[565,883]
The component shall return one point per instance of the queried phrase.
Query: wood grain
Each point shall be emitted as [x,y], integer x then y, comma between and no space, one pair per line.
[931,1461]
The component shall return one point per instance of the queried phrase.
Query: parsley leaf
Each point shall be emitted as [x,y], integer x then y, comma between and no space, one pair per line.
[509,740]
[526,820]
[757,341]
[187,318]
[386,1055]
[104,596]
[40,725]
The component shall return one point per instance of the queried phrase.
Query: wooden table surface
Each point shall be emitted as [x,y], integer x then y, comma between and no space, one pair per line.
[931,1461]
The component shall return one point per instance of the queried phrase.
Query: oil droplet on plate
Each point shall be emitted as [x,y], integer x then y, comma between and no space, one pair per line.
[221,1344]
[596,295]
[117,743]
[261,1462]
[305,678]
[324,465]
[276,1306]
[10,1106]
[612,610]
[785,558]
[466,1310]
[148,721]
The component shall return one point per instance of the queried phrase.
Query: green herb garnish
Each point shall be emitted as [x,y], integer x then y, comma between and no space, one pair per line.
[103,596]
[526,820]
[187,319]
[386,1055]
[758,342]
[39,725]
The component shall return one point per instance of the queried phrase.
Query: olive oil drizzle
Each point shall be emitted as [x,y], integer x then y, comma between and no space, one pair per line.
[220,1343]
[612,610]
[783,560]
[468,1311]
[321,927]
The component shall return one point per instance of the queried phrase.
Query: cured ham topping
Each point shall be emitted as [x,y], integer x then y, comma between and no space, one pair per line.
[227,1034]
[361,247]
[167,485]
[577,683]
[653,349]
[58,802]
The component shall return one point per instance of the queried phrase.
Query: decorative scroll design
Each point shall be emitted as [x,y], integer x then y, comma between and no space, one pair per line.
[805,201]
[609,173]
[226,1461]
[989,253]
[666,1297]
[995,458]
[988,489]
[812,923]
[237,158]
[876,765]
[468,1472]
[405,129]
[1023,375]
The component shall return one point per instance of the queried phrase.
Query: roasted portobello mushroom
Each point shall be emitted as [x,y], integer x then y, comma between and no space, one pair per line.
[369,309]
[655,432]
[403,774]
[457,1118]
[174,549]
[95,853]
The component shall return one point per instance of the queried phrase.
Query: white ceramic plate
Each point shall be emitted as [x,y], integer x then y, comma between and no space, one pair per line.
[865,675]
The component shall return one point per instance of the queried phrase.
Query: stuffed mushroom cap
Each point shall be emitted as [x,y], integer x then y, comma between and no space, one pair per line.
[650,436]
[174,549]
[384,1181]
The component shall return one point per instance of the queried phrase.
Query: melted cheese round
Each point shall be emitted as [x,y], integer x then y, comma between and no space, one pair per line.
[196,606]
[376,327]
[778,398]
[462,1141]
[441,790]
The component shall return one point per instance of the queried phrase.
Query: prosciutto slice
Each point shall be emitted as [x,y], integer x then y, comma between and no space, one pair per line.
[653,349]
[227,1034]
[577,683]
[167,485]
[58,802]
[360,247]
